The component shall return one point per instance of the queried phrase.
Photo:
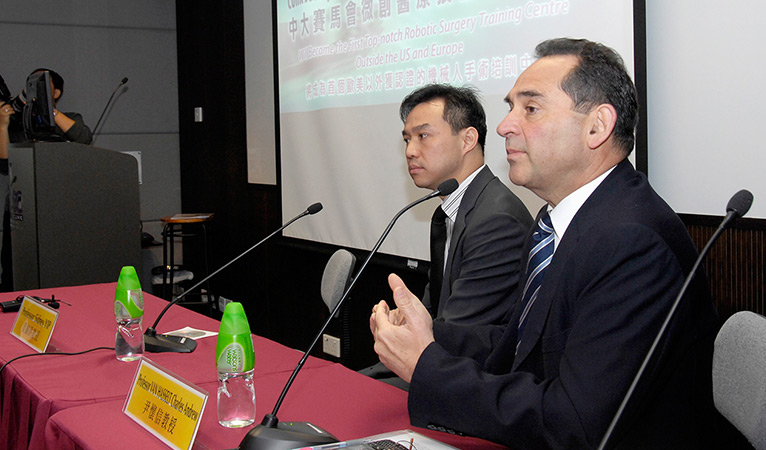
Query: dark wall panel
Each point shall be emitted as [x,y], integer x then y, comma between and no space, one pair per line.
[736,264]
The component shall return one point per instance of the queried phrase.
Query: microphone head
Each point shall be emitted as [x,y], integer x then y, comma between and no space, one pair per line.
[124,80]
[447,187]
[740,203]
[315,208]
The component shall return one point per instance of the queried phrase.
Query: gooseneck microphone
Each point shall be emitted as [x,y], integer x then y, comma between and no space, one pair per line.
[96,129]
[738,206]
[272,434]
[159,343]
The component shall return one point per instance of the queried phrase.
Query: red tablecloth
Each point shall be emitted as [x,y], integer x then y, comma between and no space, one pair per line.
[73,402]
[34,389]
[341,401]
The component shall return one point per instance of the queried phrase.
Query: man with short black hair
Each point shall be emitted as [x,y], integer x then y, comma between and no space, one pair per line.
[477,233]
[478,267]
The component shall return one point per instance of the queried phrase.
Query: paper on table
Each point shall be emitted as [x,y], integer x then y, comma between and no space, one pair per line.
[406,438]
[192,333]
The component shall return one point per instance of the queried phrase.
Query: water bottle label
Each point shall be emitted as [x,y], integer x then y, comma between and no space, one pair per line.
[120,310]
[137,298]
[132,305]
[232,358]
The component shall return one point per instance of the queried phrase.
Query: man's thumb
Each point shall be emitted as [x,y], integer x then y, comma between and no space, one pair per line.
[402,295]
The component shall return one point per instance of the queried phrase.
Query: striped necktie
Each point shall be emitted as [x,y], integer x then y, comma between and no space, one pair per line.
[539,257]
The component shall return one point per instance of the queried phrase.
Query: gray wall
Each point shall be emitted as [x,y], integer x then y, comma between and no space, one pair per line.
[93,44]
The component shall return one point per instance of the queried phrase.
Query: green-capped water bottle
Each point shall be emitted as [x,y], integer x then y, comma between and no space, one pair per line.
[128,311]
[236,362]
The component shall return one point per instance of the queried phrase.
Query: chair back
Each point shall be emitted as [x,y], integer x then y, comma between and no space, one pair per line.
[337,277]
[739,375]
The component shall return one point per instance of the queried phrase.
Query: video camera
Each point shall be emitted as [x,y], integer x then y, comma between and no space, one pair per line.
[34,109]
[5,97]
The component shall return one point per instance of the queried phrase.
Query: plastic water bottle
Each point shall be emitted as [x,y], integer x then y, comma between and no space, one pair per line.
[236,363]
[128,311]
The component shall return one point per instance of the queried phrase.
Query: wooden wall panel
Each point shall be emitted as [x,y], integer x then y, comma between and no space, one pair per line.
[735,264]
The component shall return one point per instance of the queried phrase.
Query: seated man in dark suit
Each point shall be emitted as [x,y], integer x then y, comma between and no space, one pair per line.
[478,265]
[606,261]
[476,257]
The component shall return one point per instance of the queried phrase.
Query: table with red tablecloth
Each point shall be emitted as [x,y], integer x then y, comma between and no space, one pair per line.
[74,402]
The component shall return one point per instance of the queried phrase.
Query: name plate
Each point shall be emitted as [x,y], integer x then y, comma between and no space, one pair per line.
[166,405]
[34,324]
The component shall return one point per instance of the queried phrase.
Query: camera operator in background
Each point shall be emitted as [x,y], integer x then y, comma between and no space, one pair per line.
[5,117]
[69,125]
[6,111]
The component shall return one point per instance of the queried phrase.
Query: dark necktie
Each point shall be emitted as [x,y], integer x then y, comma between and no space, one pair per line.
[438,242]
[539,257]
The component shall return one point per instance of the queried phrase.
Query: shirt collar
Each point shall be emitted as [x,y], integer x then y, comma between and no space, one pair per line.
[451,204]
[563,214]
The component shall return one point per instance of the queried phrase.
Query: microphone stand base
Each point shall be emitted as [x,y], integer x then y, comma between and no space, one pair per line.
[285,436]
[162,343]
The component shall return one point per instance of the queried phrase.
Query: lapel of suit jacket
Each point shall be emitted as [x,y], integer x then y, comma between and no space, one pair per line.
[565,250]
[467,204]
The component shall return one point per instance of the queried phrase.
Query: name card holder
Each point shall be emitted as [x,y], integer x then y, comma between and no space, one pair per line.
[166,405]
[34,324]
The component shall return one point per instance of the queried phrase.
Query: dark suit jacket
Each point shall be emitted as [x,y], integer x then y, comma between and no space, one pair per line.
[484,260]
[610,285]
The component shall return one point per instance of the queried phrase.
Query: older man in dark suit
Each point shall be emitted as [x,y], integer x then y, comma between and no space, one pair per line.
[605,263]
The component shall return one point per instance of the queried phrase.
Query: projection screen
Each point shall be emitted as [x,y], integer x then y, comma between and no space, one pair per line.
[343,68]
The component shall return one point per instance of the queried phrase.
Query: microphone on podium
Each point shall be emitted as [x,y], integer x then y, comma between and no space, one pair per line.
[272,434]
[159,343]
[738,206]
[95,129]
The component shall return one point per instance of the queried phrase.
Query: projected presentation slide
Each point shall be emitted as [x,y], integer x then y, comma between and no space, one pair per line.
[345,65]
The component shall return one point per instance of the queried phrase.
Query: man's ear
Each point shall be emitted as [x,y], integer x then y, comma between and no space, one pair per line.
[55,94]
[470,139]
[601,121]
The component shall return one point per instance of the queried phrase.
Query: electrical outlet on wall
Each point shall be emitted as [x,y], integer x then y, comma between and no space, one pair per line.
[331,345]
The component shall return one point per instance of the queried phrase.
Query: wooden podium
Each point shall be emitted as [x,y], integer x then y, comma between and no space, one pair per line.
[75,214]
